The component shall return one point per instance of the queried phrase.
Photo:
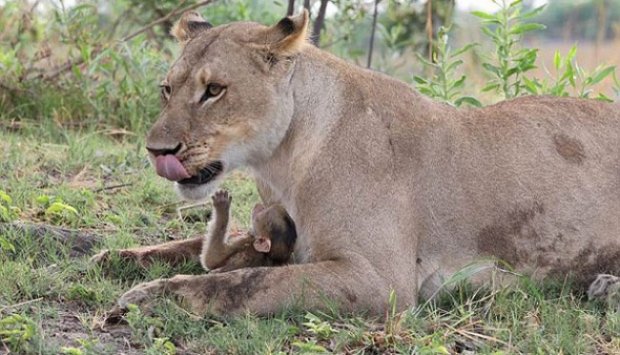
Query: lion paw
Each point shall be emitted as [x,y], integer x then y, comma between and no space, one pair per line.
[100,258]
[607,288]
[141,293]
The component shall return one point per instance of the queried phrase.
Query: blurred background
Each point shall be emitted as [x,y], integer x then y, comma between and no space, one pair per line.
[97,63]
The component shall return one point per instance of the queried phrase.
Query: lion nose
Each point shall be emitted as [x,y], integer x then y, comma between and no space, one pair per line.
[164,151]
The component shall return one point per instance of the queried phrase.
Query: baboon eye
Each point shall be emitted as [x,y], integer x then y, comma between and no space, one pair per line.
[213,90]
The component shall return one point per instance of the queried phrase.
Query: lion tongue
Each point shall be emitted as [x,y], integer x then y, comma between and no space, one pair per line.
[169,167]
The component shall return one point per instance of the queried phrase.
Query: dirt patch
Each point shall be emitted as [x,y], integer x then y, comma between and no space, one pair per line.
[68,329]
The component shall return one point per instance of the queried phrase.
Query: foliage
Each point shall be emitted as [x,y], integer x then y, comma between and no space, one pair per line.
[568,74]
[506,28]
[17,331]
[8,211]
[444,84]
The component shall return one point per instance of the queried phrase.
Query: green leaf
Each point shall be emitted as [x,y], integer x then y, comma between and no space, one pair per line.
[464,49]
[526,27]
[6,198]
[515,3]
[492,68]
[490,86]
[604,97]
[483,15]
[533,13]
[459,83]
[571,53]
[453,65]
[59,207]
[420,80]
[557,60]
[600,75]
[467,100]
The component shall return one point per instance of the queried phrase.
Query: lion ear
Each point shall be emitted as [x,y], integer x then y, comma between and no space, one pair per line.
[289,35]
[189,26]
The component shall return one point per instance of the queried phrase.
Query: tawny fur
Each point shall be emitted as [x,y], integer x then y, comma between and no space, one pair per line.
[388,189]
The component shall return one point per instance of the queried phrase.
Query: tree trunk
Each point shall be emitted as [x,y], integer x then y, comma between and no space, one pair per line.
[291,7]
[318,23]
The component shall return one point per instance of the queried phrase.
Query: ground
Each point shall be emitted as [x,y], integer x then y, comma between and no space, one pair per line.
[99,185]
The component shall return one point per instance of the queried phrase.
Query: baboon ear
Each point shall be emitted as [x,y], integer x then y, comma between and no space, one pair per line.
[189,26]
[262,244]
[289,35]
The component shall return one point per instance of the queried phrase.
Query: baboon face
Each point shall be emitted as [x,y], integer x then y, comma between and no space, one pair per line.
[274,223]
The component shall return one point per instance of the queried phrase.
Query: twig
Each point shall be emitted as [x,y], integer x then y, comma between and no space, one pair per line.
[372,34]
[176,11]
[429,28]
[112,187]
[16,305]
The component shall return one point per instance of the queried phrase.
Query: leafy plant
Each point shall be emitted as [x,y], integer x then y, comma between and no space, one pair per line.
[570,75]
[318,327]
[144,330]
[17,331]
[506,28]
[56,211]
[8,212]
[445,84]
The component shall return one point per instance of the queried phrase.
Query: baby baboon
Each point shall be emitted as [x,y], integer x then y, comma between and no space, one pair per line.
[269,243]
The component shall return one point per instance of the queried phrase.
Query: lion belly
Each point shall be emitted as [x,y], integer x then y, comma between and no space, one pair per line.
[533,182]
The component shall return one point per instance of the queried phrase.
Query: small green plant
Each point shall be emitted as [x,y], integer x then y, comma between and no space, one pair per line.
[318,327]
[17,331]
[506,28]
[161,346]
[309,347]
[68,350]
[144,328]
[8,212]
[445,84]
[569,75]
[56,211]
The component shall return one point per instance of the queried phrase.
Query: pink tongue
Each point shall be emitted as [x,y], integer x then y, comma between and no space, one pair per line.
[169,167]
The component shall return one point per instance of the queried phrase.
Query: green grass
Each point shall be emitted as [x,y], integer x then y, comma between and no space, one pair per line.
[50,301]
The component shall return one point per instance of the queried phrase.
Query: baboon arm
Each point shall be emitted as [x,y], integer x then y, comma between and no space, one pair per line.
[266,290]
[215,250]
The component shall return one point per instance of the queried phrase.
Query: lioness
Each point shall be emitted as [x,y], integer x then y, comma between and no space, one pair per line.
[388,189]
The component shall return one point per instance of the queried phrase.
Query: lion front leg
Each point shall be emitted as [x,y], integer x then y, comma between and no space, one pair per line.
[265,290]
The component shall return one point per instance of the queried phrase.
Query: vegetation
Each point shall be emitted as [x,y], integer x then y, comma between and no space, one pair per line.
[77,93]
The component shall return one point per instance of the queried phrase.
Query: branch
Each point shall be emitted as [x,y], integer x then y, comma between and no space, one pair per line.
[372,34]
[429,28]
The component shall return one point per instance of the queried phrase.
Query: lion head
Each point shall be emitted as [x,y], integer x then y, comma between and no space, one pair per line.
[226,101]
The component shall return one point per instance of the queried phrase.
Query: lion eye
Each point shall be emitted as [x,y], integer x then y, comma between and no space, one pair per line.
[165,90]
[213,90]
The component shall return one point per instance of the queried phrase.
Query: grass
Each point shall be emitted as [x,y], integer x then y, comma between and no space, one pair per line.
[51,300]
